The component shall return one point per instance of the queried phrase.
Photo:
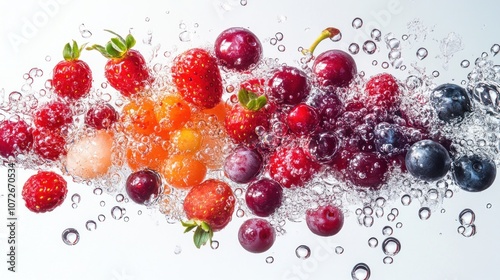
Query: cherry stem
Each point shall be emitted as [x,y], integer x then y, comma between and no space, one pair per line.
[329,32]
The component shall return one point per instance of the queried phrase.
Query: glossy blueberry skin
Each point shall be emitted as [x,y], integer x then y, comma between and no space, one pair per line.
[238,49]
[451,102]
[474,173]
[389,139]
[242,165]
[427,160]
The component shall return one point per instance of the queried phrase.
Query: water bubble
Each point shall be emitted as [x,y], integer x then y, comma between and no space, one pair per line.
[339,250]
[126,219]
[214,244]
[422,53]
[406,200]
[101,218]
[374,63]
[281,48]
[435,74]
[270,259]
[385,65]
[388,260]
[354,48]
[48,58]
[391,217]
[243,2]
[376,35]
[76,198]
[368,221]
[391,246]
[373,242]
[147,19]
[465,63]
[467,231]
[97,191]
[357,23]
[84,32]
[404,37]
[185,36]
[495,49]
[393,44]
[360,271]
[467,217]
[488,205]
[387,231]
[303,252]
[369,47]
[399,225]
[279,36]
[177,250]
[91,225]
[70,236]
[336,37]
[117,212]
[424,213]
[120,197]
[273,41]
[102,203]
[74,205]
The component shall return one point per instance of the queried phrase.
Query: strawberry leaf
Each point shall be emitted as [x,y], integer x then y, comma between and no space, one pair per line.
[67,52]
[251,100]
[243,97]
[111,51]
[129,41]
[202,236]
[119,45]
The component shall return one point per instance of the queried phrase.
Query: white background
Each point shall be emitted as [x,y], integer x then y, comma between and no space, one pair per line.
[144,247]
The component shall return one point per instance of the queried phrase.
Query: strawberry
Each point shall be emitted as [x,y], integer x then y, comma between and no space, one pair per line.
[72,78]
[197,77]
[243,118]
[209,207]
[126,69]
[383,90]
[291,167]
[44,191]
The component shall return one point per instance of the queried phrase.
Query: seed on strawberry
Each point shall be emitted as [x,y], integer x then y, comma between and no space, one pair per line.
[44,191]
[209,207]
[16,138]
[197,77]
[72,77]
[126,69]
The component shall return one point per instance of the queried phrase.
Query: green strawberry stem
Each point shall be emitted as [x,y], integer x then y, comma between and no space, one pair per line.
[250,100]
[202,234]
[329,32]
[117,47]
[72,51]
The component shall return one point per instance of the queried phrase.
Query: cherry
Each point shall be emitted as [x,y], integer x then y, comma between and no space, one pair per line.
[303,119]
[263,197]
[367,170]
[288,85]
[323,146]
[325,220]
[328,106]
[101,116]
[256,235]
[16,137]
[53,115]
[238,49]
[242,165]
[143,186]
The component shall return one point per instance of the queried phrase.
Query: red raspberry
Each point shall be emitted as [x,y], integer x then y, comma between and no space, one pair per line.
[291,167]
[53,115]
[383,90]
[48,144]
[44,191]
[15,137]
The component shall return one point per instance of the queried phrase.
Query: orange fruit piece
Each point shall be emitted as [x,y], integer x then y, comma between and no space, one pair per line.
[172,112]
[146,153]
[138,116]
[186,140]
[183,171]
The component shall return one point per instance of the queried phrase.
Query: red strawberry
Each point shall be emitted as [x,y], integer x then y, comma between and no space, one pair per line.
[383,90]
[291,167]
[197,77]
[44,191]
[72,78]
[126,69]
[209,207]
[243,118]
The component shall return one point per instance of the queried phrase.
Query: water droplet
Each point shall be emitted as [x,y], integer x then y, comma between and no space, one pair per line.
[102,203]
[357,23]
[91,225]
[435,74]
[70,236]
[240,213]
[368,221]
[376,35]
[399,225]
[146,19]
[495,49]
[279,36]
[467,231]
[177,250]
[404,37]
[388,260]
[360,271]
[185,36]
[391,246]
[424,213]
[337,37]
[303,252]
[273,41]
[374,63]
[84,32]
[406,200]
[422,53]
[270,259]
[76,198]
[120,197]
[281,48]
[373,242]
[369,47]
[387,231]
[74,205]
[488,205]
[339,250]
[465,63]
[395,211]
[101,218]
[126,219]
[243,2]
[117,212]
[467,217]
[354,48]
[391,217]
[385,65]
[48,58]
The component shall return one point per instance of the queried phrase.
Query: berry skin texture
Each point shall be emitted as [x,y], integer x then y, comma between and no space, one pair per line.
[143,187]
[243,165]
[72,78]
[256,235]
[49,144]
[451,102]
[263,197]
[383,90]
[427,160]
[53,115]
[303,119]
[334,68]
[238,49]
[325,220]
[474,173]
[209,207]
[16,137]
[291,167]
[367,170]
[197,77]
[101,116]
[289,85]
[44,191]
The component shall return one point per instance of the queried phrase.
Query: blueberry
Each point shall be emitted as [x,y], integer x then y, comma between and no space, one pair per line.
[389,139]
[451,102]
[428,160]
[474,173]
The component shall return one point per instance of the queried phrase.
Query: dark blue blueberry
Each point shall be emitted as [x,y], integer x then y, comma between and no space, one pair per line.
[474,173]
[427,160]
[390,139]
[451,102]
